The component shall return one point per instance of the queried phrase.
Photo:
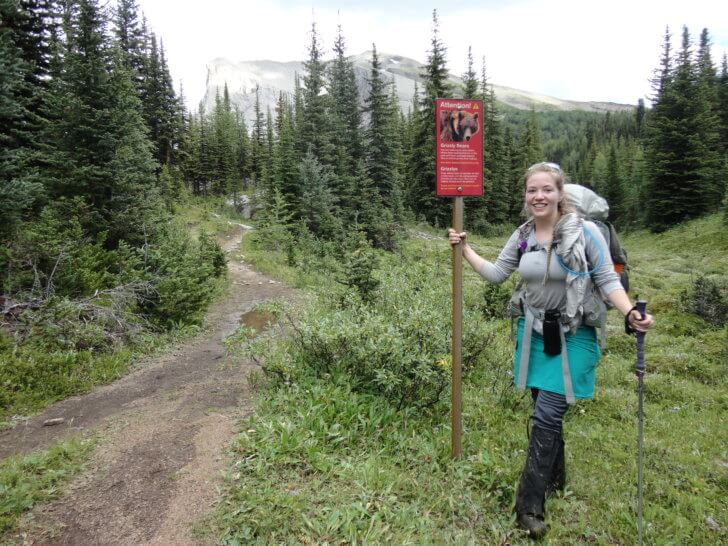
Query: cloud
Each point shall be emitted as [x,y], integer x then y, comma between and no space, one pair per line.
[566,48]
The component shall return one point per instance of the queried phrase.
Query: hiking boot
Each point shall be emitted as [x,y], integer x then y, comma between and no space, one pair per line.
[558,472]
[543,450]
[533,524]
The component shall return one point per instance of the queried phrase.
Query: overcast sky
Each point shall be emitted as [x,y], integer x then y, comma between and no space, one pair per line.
[570,49]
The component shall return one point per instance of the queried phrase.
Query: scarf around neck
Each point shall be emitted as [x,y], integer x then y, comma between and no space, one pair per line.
[571,249]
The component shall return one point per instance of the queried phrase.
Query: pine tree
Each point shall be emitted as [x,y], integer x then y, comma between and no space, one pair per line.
[131,39]
[379,134]
[285,161]
[421,192]
[676,191]
[496,170]
[346,115]
[315,130]
[723,102]
[24,67]
[613,190]
[470,80]
[531,142]
[708,126]
[318,203]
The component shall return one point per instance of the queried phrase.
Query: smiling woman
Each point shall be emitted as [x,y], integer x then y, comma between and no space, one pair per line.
[558,305]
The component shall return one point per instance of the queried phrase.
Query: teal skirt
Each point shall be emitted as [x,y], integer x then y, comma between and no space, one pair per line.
[544,371]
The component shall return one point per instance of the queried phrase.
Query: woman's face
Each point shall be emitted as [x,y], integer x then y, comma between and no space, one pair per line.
[543,196]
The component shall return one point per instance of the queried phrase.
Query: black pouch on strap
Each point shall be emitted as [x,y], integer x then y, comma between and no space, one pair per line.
[552,332]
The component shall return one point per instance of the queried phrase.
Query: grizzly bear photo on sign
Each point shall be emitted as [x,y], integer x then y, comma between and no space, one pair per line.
[457,125]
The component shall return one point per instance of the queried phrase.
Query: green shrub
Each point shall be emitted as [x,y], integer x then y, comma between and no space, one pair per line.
[707,299]
[399,348]
[181,273]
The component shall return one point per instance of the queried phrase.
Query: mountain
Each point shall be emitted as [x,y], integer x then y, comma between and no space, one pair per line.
[273,77]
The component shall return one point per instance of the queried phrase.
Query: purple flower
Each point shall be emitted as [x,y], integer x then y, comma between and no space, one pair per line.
[522,246]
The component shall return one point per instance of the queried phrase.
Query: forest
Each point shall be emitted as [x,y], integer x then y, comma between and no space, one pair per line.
[101,163]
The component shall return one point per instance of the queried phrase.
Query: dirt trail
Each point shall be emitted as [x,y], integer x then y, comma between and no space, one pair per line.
[164,428]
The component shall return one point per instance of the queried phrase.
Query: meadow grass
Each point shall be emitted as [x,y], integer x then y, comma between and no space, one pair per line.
[30,479]
[322,463]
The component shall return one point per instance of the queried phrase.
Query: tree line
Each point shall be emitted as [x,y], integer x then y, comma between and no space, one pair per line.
[91,124]
[91,129]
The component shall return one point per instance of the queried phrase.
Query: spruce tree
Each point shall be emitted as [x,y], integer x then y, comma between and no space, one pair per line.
[677,191]
[22,96]
[318,203]
[346,114]
[470,79]
[531,142]
[723,103]
[708,126]
[613,189]
[286,174]
[132,207]
[379,134]
[131,39]
[496,172]
[422,190]
[315,129]
[257,140]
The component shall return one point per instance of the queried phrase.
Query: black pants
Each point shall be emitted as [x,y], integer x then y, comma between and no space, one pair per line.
[549,409]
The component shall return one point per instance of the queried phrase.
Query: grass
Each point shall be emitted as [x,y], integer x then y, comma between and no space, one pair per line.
[30,479]
[321,464]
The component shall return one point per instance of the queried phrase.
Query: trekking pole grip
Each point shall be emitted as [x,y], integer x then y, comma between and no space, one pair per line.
[641,306]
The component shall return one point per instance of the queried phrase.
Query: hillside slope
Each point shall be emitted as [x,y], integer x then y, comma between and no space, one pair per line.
[273,77]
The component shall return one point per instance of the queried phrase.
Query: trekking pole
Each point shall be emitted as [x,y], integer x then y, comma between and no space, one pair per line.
[641,306]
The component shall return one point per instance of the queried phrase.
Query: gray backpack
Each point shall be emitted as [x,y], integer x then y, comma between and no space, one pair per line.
[594,208]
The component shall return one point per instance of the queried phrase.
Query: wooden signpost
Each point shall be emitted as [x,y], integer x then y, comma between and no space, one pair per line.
[459,173]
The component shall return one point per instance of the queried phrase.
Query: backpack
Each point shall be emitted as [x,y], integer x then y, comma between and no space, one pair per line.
[594,208]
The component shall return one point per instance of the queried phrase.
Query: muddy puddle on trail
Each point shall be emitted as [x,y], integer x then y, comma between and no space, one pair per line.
[257,320]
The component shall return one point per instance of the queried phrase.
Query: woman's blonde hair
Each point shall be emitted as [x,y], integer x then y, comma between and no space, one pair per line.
[565,206]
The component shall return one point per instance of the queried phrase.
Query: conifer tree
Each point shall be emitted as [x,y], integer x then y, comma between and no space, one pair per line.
[318,203]
[708,126]
[676,189]
[191,165]
[421,192]
[496,165]
[613,189]
[24,66]
[514,166]
[132,204]
[226,180]
[379,134]
[131,39]
[470,79]
[286,173]
[531,142]
[315,129]
[242,150]
[723,102]
[346,115]
[257,140]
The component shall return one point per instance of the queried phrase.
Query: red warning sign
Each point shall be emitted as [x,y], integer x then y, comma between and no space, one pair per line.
[459,146]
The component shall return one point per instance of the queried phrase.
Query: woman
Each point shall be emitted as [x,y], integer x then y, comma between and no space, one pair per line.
[566,270]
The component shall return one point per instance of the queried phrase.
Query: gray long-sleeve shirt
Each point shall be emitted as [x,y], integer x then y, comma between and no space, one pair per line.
[532,268]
